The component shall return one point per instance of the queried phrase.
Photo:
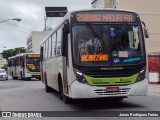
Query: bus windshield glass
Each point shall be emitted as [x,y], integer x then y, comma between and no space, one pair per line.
[33,64]
[107,44]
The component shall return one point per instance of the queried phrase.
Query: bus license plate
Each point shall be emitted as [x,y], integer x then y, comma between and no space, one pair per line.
[112,89]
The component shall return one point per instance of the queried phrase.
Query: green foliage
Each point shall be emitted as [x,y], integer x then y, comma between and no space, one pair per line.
[12,52]
[5,67]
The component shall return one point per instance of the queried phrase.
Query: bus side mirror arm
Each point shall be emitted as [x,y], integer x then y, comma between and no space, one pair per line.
[146,33]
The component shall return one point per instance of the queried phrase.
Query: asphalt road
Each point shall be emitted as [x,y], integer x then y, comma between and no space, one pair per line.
[19,95]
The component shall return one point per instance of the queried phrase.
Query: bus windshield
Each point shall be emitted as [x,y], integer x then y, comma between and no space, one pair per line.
[107,44]
[33,64]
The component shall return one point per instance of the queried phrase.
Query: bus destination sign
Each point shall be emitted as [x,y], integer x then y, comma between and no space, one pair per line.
[105,17]
[33,55]
[95,58]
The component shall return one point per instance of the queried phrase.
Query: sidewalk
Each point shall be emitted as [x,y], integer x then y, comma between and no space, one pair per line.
[154,88]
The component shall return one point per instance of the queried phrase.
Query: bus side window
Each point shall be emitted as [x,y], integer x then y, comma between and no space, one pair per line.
[54,44]
[45,50]
[59,41]
[22,61]
[49,47]
[14,62]
[17,62]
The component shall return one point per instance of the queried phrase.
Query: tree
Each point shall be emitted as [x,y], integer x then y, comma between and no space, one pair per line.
[12,52]
[5,67]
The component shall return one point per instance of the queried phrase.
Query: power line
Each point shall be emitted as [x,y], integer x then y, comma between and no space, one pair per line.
[18,26]
[11,28]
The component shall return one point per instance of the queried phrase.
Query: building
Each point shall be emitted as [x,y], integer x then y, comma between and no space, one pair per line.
[150,14]
[104,3]
[34,40]
[2,61]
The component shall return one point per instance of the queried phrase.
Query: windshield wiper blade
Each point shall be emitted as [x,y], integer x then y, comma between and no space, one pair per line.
[122,31]
[94,30]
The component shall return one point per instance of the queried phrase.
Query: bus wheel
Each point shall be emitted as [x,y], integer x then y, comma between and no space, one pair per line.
[118,99]
[27,78]
[65,99]
[13,76]
[21,77]
[47,88]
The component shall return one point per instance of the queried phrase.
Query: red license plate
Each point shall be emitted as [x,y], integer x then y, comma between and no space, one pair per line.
[112,89]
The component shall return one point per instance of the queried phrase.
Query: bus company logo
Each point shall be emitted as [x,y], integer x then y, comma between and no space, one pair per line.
[116,60]
[114,53]
[6,114]
[112,68]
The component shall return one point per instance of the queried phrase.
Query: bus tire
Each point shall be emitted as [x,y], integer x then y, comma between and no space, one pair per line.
[118,99]
[27,78]
[65,99]
[13,76]
[47,88]
[21,77]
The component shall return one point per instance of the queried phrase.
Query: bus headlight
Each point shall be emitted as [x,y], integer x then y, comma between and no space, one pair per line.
[79,76]
[141,75]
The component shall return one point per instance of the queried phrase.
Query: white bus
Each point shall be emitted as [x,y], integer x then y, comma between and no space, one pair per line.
[95,54]
[24,66]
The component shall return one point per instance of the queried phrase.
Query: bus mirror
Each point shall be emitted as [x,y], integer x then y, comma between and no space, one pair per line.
[66,26]
[146,33]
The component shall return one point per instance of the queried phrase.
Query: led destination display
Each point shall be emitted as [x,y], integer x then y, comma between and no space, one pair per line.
[105,17]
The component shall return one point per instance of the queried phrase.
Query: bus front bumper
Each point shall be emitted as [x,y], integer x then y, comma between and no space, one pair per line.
[38,76]
[79,90]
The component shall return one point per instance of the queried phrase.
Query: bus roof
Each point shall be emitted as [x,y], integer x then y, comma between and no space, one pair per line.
[11,57]
[21,54]
[103,9]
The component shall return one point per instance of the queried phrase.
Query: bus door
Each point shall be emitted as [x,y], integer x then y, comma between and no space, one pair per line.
[41,60]
[65,32]
[23,66]
[14,69]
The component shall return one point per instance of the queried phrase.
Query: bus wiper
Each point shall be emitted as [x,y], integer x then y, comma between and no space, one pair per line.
[120,35]
[94,30]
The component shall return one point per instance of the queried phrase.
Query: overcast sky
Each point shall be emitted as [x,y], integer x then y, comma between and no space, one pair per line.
[13,34]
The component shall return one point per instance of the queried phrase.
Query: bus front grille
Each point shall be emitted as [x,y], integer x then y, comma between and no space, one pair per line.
[103,92]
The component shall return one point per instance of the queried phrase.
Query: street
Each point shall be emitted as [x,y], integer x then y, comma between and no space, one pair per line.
[20,95]
[84,49]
